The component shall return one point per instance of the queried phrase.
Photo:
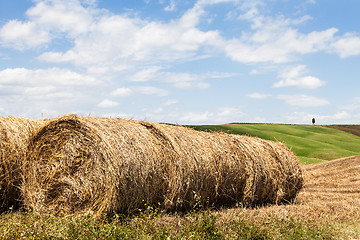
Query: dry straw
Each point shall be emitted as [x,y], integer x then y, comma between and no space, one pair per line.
[114,165]
[14,136]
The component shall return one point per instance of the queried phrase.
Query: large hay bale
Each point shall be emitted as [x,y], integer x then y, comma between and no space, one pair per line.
[111,165]
[224,169]
[14,137]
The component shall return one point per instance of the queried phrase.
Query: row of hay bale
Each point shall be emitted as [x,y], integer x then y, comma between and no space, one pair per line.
[111,165]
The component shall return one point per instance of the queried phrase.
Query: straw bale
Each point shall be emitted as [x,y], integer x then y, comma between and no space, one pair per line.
[14,136]
[114,165]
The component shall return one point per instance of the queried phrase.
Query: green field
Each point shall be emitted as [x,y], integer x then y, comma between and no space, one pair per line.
[311,143]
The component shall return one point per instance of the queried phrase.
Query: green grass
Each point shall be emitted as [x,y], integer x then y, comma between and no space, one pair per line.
[194,225]
[310,143]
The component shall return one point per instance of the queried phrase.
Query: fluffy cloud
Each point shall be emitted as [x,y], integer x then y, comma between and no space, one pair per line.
[127,50]
[171,6]
[47,19]
[258,95]
[347,46]
[114,40]
[303,100]
[145,90]
[23,35]
[178,80]
[30,92]
[101,38]
[121,92]
[51,76]
[274,40]
[171,102]
[106,103]
[220,115]
[295,77]
[197,118]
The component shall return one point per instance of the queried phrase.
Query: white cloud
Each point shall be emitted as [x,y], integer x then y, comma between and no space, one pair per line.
[187,80]
[60,16]
[47,20]
[171,102]
[352,106]
[347,46]
[276,39]
[23,35]
[159,110]
[228,114]
[28,92]
[220,115]
[197,118]
[121,49]
[147,90]
[341,115]
[171,6]
[51,76]
[303,100]
[258,95]
[122,92]
[106,103]
[294,77]
[177,79]
[276,42]
[113,40]
[145,75]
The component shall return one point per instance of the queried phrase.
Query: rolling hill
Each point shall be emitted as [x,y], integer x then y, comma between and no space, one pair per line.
[311,143]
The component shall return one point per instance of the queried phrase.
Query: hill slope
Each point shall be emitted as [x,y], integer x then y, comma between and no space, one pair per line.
[310,143]
[353,129]
[333,188]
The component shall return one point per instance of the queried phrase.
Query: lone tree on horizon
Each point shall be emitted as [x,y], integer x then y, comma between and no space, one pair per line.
[313,121]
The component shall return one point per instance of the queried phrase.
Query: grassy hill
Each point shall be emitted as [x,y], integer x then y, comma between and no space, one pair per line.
[311,143]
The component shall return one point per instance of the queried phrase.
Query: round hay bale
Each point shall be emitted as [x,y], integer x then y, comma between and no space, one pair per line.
[77,164]
[225,169]
[14,137]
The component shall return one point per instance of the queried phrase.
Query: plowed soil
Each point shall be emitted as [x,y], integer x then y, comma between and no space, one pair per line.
[353,129]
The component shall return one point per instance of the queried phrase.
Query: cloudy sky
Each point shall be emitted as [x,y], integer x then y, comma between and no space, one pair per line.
[182,61]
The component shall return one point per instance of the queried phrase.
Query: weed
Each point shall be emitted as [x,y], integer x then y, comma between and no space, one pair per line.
[151,224]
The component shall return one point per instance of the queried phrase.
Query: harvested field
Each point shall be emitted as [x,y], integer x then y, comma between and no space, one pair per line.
[331,195]
[334,186]
[14,136]
[76,164]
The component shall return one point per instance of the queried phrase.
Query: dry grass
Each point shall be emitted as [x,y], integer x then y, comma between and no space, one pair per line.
[330,196]
[14,136]
[116,166]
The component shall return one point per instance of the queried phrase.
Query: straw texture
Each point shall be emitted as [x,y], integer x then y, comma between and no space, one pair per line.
[14,137]
[115,165]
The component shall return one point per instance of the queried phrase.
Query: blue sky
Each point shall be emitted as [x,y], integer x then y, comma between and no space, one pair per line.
[185,62]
